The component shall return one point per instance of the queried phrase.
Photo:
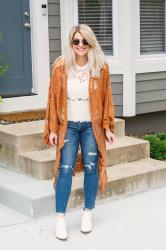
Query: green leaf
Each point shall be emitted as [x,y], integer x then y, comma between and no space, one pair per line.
[1,100]
[3,68]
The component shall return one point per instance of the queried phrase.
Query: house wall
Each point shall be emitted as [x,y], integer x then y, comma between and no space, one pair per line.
[150,104]
[54,29]
[150,92]
[117,90]
[55,51]
[145,123]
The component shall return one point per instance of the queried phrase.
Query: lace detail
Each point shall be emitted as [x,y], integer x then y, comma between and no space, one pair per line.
[82,73]
[78,94]
[78,99]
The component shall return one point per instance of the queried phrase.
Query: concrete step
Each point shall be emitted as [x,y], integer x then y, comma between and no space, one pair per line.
[29,135]
[39,163]
[127,149]
[35,198]
[24,135]
[119,127]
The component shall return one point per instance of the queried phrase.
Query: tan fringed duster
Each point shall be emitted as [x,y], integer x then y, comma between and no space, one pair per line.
[101,110]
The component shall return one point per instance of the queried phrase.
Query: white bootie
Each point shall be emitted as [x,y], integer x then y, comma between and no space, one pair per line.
[86,223]
[61,231]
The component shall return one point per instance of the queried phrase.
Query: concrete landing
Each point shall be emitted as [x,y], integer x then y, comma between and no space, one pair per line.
[132,223]
[36,198]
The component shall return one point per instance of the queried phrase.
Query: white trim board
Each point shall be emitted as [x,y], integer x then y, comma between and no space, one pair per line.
[40,64]
[69,17]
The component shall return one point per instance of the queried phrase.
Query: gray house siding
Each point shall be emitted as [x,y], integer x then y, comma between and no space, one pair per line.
[150,92]
[117,90]
[54,29]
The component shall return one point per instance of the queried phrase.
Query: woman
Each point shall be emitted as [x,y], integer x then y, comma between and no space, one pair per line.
[80,110]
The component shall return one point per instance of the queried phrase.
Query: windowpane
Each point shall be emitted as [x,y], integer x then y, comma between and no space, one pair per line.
[152,26]
[98,15]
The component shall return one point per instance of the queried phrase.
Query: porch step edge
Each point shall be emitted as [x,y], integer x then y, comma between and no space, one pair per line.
[36,198]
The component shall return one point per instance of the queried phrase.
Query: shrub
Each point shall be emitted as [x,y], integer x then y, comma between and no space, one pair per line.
[157,145]
[3,67]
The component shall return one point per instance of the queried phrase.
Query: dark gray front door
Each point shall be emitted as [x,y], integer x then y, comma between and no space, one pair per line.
[16,48]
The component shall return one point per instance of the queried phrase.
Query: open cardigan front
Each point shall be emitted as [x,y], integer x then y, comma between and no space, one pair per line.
[101,108]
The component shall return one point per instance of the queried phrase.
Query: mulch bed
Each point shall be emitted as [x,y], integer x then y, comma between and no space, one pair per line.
[9,118]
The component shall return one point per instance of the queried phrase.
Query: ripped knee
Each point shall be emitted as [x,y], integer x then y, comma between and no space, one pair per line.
[90,168]
[92,153]
[66,169]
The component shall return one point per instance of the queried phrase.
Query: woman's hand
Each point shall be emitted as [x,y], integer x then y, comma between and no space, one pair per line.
[110,136]
[53,139]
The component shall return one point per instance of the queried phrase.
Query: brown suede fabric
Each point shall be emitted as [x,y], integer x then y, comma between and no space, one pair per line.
[101,111]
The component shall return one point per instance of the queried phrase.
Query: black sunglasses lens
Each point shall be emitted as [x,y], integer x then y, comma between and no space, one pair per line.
[77,42]
[84,41]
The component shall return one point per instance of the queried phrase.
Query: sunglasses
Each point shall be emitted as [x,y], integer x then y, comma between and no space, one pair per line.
[78,41]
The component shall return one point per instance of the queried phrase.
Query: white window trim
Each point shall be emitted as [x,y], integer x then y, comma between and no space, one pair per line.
[147,63]
[126,58]
[69,17]
[40,64]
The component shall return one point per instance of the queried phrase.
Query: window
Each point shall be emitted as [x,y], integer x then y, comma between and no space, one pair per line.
[98,15]
[152,26]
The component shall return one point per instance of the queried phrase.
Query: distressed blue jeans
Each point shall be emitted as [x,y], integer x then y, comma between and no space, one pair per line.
[78,132]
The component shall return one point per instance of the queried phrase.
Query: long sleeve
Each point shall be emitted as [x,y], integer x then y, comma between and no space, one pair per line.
[108,104]
[51,120]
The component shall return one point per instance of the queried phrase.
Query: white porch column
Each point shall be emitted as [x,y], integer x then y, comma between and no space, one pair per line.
[69,17]
[127,42]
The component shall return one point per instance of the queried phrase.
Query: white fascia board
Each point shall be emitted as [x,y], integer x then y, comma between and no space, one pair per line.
[151,63]
[150,66]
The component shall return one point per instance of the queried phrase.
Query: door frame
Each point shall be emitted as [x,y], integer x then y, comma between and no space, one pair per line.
[40,63]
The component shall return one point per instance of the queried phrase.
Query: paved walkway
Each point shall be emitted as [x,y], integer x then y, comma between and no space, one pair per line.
[133,223]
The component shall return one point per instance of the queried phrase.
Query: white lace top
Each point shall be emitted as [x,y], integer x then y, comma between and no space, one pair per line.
[78,94]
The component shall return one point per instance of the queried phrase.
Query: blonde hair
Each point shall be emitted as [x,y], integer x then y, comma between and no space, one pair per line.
[96,57]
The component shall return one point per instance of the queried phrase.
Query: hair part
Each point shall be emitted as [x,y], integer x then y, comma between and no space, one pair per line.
[96,57]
